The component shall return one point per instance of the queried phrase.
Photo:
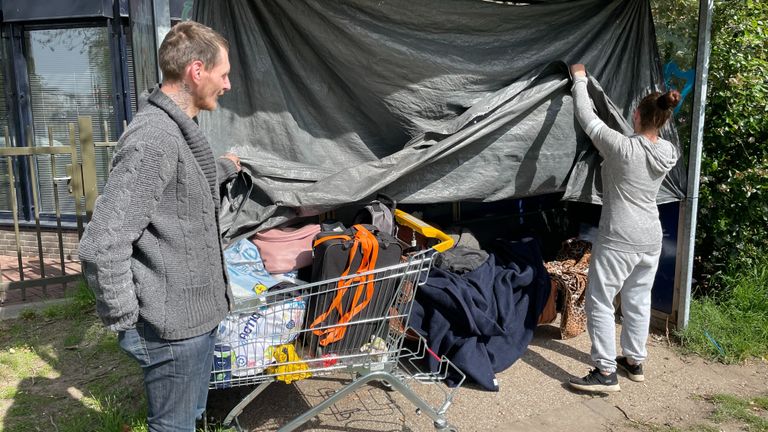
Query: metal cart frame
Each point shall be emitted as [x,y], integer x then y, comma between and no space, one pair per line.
[373,346]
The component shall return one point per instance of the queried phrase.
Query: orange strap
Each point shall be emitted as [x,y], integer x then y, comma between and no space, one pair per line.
[369,248]
[333,237]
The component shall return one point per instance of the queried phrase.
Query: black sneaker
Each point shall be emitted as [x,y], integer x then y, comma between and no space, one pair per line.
[595,381]
[634,372]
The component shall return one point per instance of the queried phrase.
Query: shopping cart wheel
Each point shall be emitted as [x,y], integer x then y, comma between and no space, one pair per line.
[443,426]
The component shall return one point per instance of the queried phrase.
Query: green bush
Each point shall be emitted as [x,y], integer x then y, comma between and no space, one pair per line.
[733,201]
[733,217]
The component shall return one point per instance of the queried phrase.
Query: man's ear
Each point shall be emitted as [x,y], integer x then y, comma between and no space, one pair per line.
[194,70]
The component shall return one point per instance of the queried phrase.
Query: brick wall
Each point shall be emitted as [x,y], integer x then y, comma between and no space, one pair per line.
[28,240]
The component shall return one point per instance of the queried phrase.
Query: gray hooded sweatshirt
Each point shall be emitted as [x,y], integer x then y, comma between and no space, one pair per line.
[632,171]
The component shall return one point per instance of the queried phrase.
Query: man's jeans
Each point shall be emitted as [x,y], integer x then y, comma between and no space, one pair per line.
[176,375]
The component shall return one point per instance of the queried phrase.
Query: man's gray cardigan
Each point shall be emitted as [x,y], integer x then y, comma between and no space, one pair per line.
[152,248]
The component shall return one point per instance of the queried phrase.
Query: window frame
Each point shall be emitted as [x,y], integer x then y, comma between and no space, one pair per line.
[20,107]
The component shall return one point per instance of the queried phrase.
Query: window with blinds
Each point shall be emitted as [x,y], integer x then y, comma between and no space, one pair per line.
[70,75]
[5,124]
[131,79]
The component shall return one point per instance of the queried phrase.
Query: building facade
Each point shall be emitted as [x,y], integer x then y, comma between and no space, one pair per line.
[59,61]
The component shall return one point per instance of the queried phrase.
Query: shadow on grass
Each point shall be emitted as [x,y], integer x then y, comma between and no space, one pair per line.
[64,372]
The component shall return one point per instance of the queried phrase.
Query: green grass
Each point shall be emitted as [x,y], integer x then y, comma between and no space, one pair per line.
[64,371]
[28,314]
[732,408]
[745,414]
[7,392]
[82,303]
[733,326]
[21,361]
[112,415]
[761,402]
[652,427]
[704,428]
[17,330]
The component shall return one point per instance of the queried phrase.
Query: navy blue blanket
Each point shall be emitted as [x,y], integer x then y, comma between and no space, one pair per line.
[484,320]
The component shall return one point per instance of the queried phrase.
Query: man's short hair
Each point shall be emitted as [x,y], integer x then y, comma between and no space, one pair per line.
[186,42]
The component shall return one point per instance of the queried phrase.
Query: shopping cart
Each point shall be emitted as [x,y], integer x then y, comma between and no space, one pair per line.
[376,346]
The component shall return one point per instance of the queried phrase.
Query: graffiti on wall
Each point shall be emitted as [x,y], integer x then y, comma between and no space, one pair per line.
[682,80]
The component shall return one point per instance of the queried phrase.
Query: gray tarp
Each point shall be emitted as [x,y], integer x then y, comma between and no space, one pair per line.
[427,101]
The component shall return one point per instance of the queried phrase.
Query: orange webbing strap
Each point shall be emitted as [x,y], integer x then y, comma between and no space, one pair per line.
[340,288]
[333,237]
[369,248]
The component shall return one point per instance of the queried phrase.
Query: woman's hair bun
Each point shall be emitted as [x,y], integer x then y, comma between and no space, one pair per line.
[668,100]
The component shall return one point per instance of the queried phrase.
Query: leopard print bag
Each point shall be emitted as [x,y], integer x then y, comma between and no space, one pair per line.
[569,272]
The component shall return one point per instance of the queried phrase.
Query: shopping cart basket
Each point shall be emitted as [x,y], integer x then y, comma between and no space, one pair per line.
[286,347]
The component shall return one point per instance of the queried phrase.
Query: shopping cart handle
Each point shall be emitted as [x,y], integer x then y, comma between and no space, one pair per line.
[418,225]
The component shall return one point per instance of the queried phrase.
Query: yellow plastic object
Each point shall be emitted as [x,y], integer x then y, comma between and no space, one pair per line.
[424,229]
[287,372]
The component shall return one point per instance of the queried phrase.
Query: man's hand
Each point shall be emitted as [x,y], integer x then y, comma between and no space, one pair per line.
[578,70]
[234,158]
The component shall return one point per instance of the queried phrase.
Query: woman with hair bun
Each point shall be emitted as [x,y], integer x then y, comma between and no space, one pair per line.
[626,252]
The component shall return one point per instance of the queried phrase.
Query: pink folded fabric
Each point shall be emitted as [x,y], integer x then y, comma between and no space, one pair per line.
[286,249]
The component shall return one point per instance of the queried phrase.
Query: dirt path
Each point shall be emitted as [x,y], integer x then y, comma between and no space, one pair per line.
[532,396]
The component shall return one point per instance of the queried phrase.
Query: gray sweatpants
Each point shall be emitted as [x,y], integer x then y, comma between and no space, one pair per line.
[631,274]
